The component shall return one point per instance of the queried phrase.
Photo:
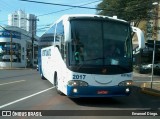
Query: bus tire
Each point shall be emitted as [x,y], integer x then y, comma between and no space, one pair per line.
[56,84]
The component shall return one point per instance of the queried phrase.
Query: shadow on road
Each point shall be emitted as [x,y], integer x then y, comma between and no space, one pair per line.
[135,100]
[19,75]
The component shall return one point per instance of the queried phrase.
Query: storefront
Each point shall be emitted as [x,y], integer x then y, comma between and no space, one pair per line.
[16,47]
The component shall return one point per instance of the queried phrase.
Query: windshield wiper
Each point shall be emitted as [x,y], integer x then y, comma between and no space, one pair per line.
[121,67]
[80,65]
[95,59]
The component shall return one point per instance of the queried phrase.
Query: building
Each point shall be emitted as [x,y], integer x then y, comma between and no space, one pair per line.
[16,48]
[153,24]
[22,20]
[145,56]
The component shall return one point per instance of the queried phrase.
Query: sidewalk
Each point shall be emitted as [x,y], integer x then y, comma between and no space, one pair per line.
[154,90]
[146,87]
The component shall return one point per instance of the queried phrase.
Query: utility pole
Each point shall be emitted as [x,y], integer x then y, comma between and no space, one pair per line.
[155,38]
[32,43]
[32,38]
[11,58]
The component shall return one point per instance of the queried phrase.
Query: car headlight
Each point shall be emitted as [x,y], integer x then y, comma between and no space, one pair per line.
[125,83]
[77,83]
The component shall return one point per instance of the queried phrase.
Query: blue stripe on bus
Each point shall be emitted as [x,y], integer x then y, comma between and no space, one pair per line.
[92,91]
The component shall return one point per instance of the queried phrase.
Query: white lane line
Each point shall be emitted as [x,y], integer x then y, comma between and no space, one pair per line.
[138,109]
[5,105]
[132,109]
[11,82]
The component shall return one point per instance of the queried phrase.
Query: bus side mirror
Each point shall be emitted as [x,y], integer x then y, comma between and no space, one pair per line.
[140,35]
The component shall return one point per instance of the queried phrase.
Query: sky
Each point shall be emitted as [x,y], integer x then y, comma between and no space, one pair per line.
[47,14]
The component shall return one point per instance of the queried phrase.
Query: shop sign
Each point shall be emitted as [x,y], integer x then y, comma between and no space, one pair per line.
[7,34]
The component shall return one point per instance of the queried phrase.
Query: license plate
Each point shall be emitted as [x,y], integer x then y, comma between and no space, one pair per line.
[102,92]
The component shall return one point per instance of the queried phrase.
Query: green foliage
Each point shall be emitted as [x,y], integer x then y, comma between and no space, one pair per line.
[130,10]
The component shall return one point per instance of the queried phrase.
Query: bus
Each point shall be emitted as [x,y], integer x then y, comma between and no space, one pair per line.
[78,63]
[47,39]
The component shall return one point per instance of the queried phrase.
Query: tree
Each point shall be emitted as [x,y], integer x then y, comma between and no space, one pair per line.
[130,10]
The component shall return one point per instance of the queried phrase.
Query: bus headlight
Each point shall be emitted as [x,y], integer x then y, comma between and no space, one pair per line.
[125,83]
[77,83]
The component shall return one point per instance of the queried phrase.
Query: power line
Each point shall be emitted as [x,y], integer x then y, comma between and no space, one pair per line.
[69,8]
[80,6]
[73,6]
[61,10]
[61,4]
[65,10]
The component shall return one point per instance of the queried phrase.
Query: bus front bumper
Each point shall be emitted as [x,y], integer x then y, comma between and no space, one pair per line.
[96,91]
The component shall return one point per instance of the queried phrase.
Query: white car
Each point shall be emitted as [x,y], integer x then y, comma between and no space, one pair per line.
[148,66]
[5,57]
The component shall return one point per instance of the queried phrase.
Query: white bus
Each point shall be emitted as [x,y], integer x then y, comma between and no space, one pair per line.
[81,62]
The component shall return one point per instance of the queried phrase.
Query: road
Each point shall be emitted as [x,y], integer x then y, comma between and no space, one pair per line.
[24,90]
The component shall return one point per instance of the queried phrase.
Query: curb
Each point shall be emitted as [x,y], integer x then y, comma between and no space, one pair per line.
[150,92]
[145,88]
[143,75]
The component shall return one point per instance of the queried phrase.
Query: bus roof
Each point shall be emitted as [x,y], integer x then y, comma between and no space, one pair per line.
[68,16]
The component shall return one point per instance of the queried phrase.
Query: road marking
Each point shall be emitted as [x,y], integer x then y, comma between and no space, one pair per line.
[11,82]
[138,109]
[5,105]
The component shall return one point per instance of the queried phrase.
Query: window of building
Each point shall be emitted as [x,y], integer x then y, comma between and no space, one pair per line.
[23,49]
[22,57]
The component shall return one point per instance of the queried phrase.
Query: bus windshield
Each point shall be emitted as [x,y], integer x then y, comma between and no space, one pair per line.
[100,42]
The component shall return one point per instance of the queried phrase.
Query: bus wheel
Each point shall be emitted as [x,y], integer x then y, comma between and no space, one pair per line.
[56,86]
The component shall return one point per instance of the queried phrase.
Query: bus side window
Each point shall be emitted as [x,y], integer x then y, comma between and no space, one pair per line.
[60,38]
[63,51]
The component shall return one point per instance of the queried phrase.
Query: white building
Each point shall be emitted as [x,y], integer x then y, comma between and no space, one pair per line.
[22,20]
[16,47]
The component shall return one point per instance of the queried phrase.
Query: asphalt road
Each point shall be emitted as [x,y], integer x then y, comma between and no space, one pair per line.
[24,90]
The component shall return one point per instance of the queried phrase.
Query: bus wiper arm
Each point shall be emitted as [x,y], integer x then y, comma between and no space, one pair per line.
[95,59]
[122,67]
[80,65]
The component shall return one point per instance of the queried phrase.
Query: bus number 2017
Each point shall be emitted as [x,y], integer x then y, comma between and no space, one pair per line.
[79,76]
